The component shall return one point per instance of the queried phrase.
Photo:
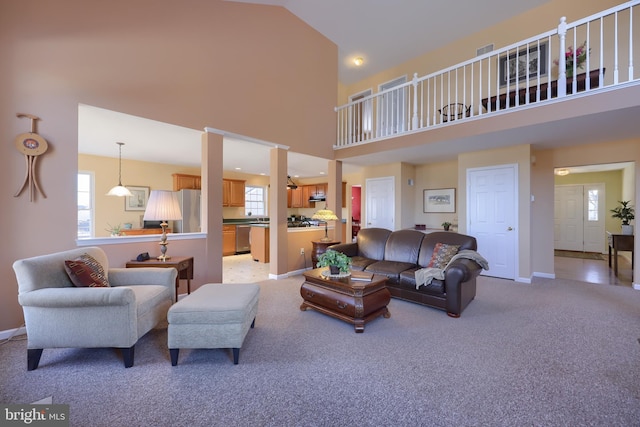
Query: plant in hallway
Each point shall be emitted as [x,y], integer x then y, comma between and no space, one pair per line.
[624,212]
[336,261]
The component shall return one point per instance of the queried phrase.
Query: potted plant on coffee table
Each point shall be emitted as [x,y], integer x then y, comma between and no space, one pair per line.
[337,262]
[625,213]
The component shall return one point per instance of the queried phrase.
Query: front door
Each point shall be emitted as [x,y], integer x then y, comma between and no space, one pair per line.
[579,218]
[492,216]
[380,202]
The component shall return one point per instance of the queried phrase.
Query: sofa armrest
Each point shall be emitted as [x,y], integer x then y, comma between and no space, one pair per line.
[143,276]
[77,297]
[462,270]
[349,249]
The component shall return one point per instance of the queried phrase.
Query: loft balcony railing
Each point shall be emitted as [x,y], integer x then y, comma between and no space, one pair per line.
[598,52]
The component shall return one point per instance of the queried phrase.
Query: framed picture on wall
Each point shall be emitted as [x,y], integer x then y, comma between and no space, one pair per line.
[138,200]
[518,63]
[440,200]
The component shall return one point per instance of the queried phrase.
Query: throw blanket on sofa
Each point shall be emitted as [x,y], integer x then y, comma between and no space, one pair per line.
[424,276]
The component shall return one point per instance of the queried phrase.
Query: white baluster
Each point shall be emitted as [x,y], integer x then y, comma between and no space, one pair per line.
[630,43]
[562,63]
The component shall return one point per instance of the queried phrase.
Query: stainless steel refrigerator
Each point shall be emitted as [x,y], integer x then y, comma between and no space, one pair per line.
[190,207]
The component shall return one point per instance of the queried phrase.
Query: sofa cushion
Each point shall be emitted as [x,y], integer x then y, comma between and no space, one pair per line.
[403,246]
[86,271]
[442,254]
[359,263]
[408,281]
[371,242]
[391,269]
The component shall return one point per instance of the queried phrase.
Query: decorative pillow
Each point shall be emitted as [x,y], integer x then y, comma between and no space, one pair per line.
[442,254]
[86,271]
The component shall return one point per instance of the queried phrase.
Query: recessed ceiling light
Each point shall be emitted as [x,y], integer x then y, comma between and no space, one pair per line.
[238,169]
[562,172]
[358,61]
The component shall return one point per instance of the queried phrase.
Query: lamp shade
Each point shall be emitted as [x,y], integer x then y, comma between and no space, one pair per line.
[163,205]
[119,191]
[325,215]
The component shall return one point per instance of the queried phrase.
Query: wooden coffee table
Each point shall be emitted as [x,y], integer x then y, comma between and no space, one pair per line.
[355,302]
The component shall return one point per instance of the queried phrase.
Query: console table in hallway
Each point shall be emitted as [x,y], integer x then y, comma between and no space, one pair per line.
[531,92]
[619,242]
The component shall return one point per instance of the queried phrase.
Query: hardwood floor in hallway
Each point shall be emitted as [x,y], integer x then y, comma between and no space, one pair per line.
[594,271]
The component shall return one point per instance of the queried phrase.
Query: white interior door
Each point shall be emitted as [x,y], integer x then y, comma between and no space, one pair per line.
[567,219]
[380,202]
[579,218]
[492,217]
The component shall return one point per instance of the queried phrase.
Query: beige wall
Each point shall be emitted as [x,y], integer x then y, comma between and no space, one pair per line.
[111,210]
[434,176]
[237,67]
[156,176]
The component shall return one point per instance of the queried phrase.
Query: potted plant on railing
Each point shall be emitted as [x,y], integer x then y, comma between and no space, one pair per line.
[337,262]
[580,55]
[446,225]
[625,212]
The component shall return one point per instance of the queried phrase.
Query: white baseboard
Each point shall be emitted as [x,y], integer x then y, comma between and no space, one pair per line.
[5,335]
[544,275]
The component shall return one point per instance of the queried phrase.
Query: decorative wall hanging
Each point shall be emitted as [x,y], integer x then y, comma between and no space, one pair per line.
[31,145]
[440,200]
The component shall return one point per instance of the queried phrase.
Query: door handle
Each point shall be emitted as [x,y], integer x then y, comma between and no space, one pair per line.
[509,229]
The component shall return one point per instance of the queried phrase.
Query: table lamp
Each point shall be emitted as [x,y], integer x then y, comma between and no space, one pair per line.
[163,206]
[325,215]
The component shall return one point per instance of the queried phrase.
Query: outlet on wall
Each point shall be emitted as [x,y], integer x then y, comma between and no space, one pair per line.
[301,251]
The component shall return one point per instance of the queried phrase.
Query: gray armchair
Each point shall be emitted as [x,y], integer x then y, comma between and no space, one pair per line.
[59,315]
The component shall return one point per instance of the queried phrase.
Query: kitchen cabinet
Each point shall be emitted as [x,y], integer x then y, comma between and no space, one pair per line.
[183,181]
[228,240]
[306,194]
[233,193]
[297,197]
[259,237]
[344,195]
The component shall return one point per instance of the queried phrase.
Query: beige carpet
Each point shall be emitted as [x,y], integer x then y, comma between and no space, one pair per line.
[549,353]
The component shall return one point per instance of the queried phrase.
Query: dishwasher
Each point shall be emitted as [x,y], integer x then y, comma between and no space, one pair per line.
[243,245]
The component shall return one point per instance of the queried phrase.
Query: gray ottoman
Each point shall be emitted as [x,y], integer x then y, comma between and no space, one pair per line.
[216,315]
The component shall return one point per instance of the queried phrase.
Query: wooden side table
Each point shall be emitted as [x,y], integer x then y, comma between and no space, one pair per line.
[319,247]
[619,242]
[184,265]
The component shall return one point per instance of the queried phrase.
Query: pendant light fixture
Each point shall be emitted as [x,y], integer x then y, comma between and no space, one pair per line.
[119,190]
[290,184]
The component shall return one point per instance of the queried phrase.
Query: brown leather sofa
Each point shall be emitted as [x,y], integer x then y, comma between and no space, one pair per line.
[399,254]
